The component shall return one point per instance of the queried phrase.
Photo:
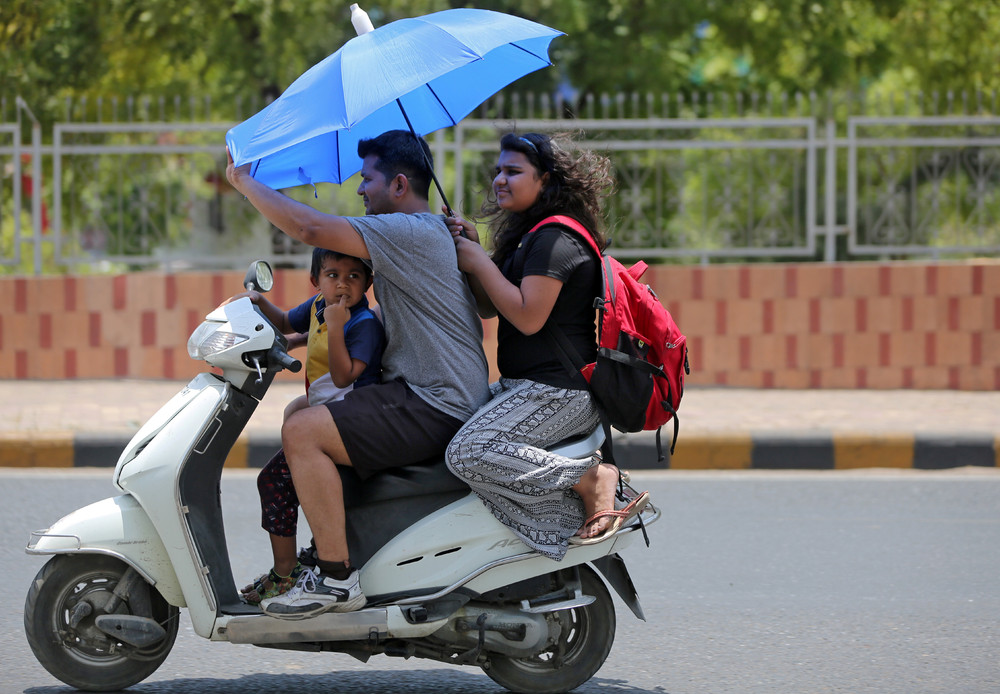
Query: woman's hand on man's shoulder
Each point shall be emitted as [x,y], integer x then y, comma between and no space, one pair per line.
[460,228]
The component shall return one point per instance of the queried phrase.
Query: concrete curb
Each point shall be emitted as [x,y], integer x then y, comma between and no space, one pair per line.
[812,451]
[750,451]
[99,449]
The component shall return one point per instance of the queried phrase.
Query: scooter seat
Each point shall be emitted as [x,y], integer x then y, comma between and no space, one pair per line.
[387,503]
[433,477]
[423,479]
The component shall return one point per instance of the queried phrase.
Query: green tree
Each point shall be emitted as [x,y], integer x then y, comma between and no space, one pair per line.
[948,45]
[231,48]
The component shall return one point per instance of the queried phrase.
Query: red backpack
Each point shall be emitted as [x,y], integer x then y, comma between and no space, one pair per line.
[638,378]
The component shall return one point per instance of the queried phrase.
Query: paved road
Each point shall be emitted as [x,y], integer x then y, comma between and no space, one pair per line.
[758,582]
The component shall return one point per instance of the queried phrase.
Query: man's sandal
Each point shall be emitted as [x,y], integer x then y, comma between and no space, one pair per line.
[619,518]
[270,585]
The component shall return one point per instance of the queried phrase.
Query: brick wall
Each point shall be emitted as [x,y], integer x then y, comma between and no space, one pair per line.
[124,326]
[803,325]
[850,325]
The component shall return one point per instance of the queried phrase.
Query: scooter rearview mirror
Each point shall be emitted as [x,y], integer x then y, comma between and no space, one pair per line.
[259,277]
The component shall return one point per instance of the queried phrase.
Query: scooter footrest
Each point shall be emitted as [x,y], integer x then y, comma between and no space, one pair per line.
[332,626]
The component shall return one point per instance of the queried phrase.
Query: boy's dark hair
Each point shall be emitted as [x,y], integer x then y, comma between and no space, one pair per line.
[321,254]
[399,152]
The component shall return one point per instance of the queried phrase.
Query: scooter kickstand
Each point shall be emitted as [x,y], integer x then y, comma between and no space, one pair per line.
[471,655]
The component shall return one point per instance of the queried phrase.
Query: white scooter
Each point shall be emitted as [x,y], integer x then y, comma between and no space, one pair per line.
[444,579]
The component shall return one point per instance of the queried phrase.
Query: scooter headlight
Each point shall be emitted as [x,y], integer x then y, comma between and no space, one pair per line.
[208,340]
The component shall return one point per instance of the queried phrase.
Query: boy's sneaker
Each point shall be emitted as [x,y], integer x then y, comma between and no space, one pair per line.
[308,555]
[315,594]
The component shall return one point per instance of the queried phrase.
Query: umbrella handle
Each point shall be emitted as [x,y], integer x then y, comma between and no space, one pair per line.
[430,166]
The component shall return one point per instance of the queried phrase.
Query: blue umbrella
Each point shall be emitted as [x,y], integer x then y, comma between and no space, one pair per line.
[421,74]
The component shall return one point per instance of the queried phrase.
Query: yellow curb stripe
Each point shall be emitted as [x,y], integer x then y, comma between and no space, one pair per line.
[41,449]
[853,451]
[724,452]
[239,453]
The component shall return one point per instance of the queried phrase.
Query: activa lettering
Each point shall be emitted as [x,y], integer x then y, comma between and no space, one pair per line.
[505,543]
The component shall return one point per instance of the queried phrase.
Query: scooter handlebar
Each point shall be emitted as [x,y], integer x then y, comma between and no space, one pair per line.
[285,361]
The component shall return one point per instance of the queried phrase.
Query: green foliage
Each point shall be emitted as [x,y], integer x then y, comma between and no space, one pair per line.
[228,51]
[232,48]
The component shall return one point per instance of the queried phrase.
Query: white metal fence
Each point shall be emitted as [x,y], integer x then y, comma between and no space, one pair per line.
[113,194]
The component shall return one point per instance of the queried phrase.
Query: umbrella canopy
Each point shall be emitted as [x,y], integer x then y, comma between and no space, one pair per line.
[438,67]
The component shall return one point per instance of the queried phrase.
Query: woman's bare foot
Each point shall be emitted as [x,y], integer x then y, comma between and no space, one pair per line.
[597,489]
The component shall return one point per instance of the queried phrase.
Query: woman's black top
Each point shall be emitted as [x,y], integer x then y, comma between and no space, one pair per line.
[558,252]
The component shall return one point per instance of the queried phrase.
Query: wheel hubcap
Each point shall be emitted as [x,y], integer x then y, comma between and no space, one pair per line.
[76,626]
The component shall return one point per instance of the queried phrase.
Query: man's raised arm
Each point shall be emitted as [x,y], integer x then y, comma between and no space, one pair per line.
[301,222]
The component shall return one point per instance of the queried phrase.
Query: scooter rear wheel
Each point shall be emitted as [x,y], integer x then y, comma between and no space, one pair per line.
[584,644]
[62,632]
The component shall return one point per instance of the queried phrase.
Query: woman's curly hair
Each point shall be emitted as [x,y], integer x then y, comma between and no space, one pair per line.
[577,185]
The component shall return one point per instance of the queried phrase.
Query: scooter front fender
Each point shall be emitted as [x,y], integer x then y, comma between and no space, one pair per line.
[120,528]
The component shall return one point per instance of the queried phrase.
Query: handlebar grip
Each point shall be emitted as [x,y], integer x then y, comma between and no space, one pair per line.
[286,361]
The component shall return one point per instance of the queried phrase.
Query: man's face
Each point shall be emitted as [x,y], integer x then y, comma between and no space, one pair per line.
[374,189]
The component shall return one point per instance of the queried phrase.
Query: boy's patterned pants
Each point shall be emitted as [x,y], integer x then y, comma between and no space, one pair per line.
[279,504]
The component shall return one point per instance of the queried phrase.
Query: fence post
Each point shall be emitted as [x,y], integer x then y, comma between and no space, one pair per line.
[36,185]
[830,184]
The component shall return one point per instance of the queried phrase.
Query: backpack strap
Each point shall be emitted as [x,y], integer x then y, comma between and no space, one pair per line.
[581,231]
[572,224]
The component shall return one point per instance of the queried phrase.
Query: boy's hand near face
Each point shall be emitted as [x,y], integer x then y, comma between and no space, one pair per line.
[336,315]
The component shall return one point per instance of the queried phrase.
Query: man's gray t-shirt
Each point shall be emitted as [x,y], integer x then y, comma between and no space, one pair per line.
[434,334]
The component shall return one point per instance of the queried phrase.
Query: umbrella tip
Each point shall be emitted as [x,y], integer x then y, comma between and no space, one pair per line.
[359,18]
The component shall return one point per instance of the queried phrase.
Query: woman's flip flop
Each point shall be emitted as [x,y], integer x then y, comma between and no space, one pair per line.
[619,518]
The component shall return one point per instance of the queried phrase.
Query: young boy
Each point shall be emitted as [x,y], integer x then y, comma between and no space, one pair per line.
[344,351]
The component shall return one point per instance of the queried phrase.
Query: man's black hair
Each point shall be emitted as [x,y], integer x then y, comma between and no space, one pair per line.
[399,152]
[321,254]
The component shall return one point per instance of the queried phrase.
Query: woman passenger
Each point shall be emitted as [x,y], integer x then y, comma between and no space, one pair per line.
[549,275]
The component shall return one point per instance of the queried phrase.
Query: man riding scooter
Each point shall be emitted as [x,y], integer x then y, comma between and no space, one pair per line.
[434,369]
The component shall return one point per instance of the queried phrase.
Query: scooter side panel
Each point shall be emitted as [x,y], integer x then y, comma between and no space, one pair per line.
[454,544]
[438,550]
[151,477]
[165,414]
[118,527]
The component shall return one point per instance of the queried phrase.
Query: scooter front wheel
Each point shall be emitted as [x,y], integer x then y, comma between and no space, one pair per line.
[586,635]
[67,596]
